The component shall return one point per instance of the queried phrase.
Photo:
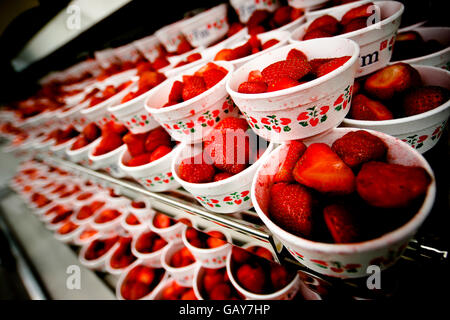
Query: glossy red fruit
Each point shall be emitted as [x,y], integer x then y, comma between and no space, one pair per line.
[358,147]
[295,151]
[340,224]
[325,23]
[196,170]
[157,137]
[388,185]
[252,87]
[321,168]
[160,152]
[290,207]
[331,65]
[364,108]
[251,278]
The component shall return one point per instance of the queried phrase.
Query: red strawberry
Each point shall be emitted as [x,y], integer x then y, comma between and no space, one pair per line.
[363,11]
[331,65]
[409,36]
[240,255]
[211,279]
[222,176]
[255,43]
[388,185]
[135,143]
[341,224]
[293,68]
[255,75]
[109,142]
[257,18]
[184,46]
[282,15]
[162,221]
[221,292]
[150,79]
[139,160]
[176,93]
[424,99]
[256,30]
[325,23]
[91,131]
[392,79]
[235,27]
[193,57]
[358,147]
[231,123]
[157,137]
[114,127]
[224,54]
[241,51]
[295,151]
[269,43]
[196,170]
[79,143]
[213,76]
[252,87]
[316,63]
[315,34]
[364,108]
[296,54]
[278,276]
[193,86]
[354,25]
[189,295]
[251,277]
[169,103]
[282,83]
[296,13]
[322,169]
[160,62]
[160,152]
[291,208]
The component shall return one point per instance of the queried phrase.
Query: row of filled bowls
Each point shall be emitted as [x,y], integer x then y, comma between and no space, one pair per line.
[133,112]
[143,250]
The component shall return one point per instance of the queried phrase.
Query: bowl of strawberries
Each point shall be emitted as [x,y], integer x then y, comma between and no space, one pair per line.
[428,46]
[78,151]
[191,103]
[298,90]
[130,110]
[173,291]
[96,252]
[105,152]
[253,46]
[106,93]
[147,158]
[410,102]
[140,281]
[214,284]
[372,26]
[345,199]
[169,229]
[207,27]
[210,248]
[219,171]
[179,262]
[148,245]
[257,278]
[121,257]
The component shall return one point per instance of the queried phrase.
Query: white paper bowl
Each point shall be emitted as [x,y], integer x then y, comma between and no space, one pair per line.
[344,260]
[107,161]
[213,258]
[421,131]
[375,41]
[170,36]
[226,196]
[155,176]
[184,276]
[441,58]
[245,8]
[123,276]
[81,155]
[206,27]
[191,120]
[286,293]
[304,110]
[153,258]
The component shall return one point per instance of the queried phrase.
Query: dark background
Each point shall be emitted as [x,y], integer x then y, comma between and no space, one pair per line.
[137,19]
